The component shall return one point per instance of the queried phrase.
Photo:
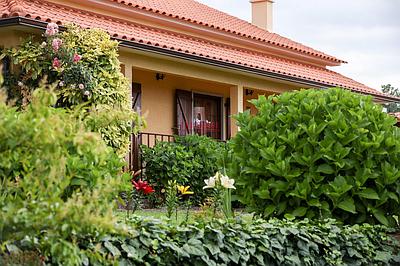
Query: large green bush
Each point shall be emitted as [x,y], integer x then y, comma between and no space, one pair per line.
[189,160]
[84,64]
[57,181]
[319,153]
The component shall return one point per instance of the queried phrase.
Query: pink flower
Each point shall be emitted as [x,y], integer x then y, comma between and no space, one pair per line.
[86,93]
[77,58]
[56,63]
[52,29]
[81,86]
[56,44]
[61,84]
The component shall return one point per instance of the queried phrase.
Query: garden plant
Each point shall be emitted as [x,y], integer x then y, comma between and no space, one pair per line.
[61,173]
[84,64]
[189,160]
[319,154]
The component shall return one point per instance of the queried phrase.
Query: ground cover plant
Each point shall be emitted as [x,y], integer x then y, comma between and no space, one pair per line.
[318,154]
[276,242]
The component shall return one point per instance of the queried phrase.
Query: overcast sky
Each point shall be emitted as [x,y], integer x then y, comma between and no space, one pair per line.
[365,33]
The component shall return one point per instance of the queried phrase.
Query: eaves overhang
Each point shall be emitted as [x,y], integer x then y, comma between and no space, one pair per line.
[32,23]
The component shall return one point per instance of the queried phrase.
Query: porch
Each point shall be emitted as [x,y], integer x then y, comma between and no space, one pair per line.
[176,105]
[177,97]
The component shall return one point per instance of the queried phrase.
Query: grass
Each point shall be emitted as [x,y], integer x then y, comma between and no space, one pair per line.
[194,215]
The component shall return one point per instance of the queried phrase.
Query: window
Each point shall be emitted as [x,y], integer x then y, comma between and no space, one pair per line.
[199,114]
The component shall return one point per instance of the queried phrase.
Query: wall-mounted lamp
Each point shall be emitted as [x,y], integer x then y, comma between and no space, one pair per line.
[160,76]
[249,92]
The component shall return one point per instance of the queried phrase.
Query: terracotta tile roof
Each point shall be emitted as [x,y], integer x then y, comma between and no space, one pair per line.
[183,44]
[195,12]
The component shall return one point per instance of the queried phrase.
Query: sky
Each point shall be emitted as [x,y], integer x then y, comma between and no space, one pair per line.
[365,33]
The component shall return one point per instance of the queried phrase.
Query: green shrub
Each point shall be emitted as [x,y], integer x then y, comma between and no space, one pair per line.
[35,141]
[88,75]
[319,153]
[155,242]
[189,160]
[57,182]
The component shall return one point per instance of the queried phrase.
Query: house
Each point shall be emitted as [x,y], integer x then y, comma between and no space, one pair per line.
[190,66]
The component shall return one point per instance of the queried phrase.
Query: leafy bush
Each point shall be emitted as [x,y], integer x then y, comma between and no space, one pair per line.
[276,242]
[84,64]
[57,182]
[319,153]
[34,142]
[189,160]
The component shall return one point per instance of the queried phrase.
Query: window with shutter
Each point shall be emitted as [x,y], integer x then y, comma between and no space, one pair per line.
[184,112]
[198,113]
[228,118]
[136,97]
[207,115]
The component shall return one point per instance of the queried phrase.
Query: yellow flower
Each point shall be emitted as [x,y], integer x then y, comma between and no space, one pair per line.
[185,190]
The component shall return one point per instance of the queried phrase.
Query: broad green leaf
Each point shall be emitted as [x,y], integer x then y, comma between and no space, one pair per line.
[114,250]
[347,205]
[368,193]
[380,216]
[269,210]
[326,169]
[300,211]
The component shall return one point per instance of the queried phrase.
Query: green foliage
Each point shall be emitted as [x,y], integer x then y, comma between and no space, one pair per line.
[318,154]
[57,182]
[189,160]
[154,242]
[392,107]
[94,81]
[35,141]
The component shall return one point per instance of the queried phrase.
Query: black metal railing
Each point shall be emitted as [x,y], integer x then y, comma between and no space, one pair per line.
[144,138]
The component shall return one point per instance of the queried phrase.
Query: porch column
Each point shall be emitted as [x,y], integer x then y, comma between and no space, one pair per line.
[128,73]
[131,157]
[236,95]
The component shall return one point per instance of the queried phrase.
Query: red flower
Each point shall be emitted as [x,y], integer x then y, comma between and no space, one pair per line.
[77,58]
[142,186]
[56,63]
[148,190]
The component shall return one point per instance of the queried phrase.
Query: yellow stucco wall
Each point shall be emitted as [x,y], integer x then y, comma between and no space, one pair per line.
[254,95]
[158,97]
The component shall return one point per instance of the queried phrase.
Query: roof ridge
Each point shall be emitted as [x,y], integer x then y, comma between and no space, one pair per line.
[302,49]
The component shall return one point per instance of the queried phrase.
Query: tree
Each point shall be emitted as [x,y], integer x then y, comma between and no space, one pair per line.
[392,107]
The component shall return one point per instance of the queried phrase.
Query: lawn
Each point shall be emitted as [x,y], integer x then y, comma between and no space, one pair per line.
[194,215]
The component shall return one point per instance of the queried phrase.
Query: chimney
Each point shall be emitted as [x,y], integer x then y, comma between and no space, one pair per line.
[262,14]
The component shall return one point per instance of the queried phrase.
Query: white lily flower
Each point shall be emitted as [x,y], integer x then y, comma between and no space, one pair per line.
[210,183]
[226,182]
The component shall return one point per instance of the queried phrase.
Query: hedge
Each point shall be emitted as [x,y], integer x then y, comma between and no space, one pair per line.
[150,241]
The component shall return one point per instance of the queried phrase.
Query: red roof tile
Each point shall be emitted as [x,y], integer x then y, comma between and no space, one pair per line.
[45,11]
[195,12]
